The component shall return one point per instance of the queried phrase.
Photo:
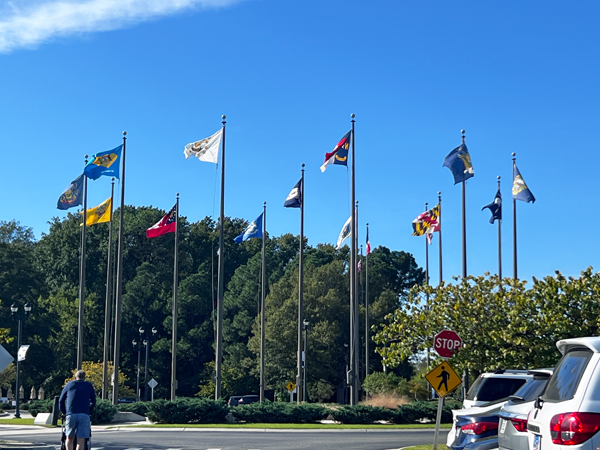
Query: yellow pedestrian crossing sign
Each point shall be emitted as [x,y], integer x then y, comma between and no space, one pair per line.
[290,386]
[443,379]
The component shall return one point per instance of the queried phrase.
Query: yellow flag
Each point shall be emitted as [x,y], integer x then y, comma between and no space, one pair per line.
[100,213]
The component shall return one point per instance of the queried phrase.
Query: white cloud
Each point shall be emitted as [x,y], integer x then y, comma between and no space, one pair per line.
[29,23]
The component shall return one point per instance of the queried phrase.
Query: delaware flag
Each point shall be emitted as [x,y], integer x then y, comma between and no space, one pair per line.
[294,198]
[100,213]
[72,195]
[520,191]
[459,163]
[254,230]
[206,149]
[104,163]
[495,207]
[344,234]
[339,155]
[168,224]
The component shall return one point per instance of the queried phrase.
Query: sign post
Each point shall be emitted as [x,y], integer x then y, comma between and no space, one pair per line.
[292,388]
[446,343]
[152,383]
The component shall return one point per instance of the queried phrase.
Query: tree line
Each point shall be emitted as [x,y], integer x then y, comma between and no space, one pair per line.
[45,274]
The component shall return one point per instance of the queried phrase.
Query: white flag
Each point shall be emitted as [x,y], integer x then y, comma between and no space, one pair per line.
[22,352]
[206,149]
[344,234]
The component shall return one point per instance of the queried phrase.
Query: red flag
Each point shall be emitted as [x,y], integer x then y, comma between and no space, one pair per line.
[168,224]
[368,243]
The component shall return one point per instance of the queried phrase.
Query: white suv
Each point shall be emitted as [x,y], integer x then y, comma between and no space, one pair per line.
[492,386]
[567,415]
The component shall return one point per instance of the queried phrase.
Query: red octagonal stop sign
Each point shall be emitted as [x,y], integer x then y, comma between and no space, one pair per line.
[447,343]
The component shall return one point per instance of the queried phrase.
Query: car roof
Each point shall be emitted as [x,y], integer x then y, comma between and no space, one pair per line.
[593,343]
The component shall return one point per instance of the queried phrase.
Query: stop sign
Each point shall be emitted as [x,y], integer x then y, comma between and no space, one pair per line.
[446,343]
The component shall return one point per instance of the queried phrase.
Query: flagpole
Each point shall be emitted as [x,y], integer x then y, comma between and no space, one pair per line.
[499,240]
[440,233]
[174,313]
[464,221]
[426,253]
[514,202]
[262,308]
[220,276]
[82,276]
[356,305]
[119,292]
[367,334]
[108,305]
[300,293]
[353,308]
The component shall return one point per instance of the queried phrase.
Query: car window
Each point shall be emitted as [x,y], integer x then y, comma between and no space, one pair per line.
[563,384]
[533,389]
[490,389]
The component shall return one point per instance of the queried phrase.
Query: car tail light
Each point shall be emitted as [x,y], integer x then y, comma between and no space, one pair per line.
[519,424]
[479,427]
[573,428]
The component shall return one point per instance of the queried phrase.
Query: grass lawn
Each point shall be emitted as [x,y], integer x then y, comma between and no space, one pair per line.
[294,426]
[16,421]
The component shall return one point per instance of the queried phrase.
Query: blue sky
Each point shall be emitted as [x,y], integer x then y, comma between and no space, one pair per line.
[517,76]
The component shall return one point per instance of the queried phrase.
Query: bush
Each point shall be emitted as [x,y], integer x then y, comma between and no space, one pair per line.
[279,412]
[361,414]
[424,410]
[187,410]
[380,383]
[103,412]
[140,408]
[41,406]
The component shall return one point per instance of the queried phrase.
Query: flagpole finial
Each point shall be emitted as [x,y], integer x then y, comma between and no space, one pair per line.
[223,117]
[177,195]
[264,203]
[352,115]
[112,180]
[463,135]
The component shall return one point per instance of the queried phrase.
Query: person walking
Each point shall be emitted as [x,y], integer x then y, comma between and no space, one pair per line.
[77,400]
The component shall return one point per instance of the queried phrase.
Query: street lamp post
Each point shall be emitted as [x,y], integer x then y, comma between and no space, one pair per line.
[146,342]
[305,323]
[137,386]
[14,309]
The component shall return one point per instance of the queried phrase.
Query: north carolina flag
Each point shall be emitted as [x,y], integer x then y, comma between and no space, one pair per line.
[168,224]
[339,155]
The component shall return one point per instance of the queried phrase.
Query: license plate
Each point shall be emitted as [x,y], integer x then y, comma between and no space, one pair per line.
[502,425]
[537,442]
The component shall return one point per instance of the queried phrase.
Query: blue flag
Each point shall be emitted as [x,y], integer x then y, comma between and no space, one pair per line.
[254,230]
[495,207]
[104,163]
[520,191]
[73,194]
[459,163]
[294,198]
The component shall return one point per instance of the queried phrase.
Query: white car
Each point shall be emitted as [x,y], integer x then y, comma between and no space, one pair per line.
[567,415]
[492,386]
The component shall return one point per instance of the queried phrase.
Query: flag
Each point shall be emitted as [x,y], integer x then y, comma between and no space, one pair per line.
[344,234]
[368,243]
[495,207]
[100,213]
[359,264]
[427,223]
[459,163]
[254,230]
[168,224]
[206,149]
[72,195]
[339,155]
[520,191]
[104,163]
[294,198]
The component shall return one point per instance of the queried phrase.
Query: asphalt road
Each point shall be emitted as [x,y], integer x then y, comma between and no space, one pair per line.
[233,439]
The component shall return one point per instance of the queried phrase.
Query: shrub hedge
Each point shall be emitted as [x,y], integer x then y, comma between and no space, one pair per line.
[140,408]
[187,410]
[40,406]
[103,412]
[279,412]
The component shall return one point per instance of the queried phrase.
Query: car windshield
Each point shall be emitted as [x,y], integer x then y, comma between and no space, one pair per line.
[489,389]
[563,384]
[530,391]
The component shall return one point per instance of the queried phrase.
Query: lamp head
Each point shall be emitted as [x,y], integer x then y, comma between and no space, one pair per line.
[14,308]
[27,308]
[154,330]
[141,330]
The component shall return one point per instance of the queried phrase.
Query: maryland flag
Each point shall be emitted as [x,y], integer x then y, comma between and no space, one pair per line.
[99,214]
[427,223]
